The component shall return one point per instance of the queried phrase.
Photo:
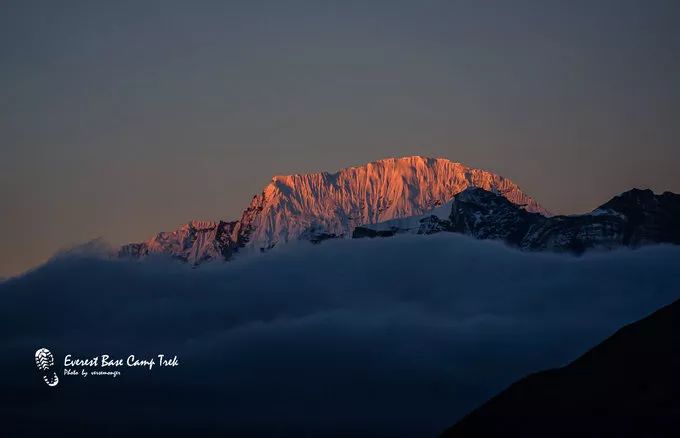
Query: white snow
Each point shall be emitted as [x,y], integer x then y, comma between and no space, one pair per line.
[399,190]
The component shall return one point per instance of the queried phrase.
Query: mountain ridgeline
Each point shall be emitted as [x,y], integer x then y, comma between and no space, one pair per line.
[415,195]
[324,205]
[633,219]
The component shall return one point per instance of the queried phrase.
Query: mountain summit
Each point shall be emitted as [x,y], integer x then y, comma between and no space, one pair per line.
[323,205]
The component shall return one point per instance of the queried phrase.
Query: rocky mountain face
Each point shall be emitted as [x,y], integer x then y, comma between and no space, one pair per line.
[626,386]
[634,218]
[195,242]
[324,205]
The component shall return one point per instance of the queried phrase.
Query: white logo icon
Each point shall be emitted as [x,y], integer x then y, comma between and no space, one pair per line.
[44,360]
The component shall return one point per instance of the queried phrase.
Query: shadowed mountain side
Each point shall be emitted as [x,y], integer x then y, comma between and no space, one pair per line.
[626,386]
[634,218]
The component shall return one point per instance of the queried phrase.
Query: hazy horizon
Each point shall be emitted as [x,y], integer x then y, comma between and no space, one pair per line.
[123,119]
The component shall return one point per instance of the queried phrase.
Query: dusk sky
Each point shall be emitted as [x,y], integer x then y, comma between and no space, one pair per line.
[123,118]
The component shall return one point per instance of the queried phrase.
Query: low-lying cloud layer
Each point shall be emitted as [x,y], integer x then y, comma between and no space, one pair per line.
[370,337]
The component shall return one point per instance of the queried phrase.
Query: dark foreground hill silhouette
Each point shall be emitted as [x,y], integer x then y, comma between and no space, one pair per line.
[629,385]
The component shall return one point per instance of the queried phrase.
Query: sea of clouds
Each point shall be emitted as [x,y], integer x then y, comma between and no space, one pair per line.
[382,337]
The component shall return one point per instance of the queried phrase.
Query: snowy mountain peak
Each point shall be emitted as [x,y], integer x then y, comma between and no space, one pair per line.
[322,205]
[198,225]
[386,189]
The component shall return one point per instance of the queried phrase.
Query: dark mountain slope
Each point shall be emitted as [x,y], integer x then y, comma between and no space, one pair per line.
[629,385]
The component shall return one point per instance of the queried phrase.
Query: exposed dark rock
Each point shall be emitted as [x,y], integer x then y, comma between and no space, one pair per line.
[635,218]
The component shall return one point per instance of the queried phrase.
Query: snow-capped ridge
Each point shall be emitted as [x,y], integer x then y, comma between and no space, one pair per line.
[321,205]
[632,219]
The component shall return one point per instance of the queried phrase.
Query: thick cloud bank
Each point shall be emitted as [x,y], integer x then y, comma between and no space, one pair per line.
[388,337]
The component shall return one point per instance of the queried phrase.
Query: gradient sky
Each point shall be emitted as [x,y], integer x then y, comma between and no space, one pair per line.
[120,119]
